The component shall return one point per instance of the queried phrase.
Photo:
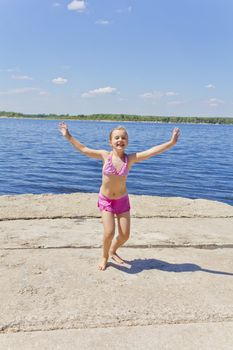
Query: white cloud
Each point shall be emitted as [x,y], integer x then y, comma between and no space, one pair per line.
[9,70]
[102,21]
[210,86]
[59,81]
[21,77]
[125,10]
[215,102]
[175,103]
[43,93]
[24,90]
[170,93]
[77,5]
[101,91]
[157,95]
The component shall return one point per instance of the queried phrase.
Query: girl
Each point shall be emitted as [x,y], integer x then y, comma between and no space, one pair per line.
[113,198]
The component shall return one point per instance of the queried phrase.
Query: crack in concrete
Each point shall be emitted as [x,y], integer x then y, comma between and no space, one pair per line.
[210,246]
[57,217]
[15,327]
[50,218]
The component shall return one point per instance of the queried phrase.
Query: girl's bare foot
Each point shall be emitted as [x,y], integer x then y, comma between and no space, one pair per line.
[117,258]
[103,264]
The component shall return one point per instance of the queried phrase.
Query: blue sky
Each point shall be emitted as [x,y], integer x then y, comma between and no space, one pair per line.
[151,57]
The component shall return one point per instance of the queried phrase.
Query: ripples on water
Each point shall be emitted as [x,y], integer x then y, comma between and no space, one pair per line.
[35,158]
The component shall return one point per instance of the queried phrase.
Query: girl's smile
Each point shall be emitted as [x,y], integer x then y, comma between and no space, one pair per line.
[119,139]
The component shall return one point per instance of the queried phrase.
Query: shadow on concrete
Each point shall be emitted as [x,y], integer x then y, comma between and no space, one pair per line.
[139,265]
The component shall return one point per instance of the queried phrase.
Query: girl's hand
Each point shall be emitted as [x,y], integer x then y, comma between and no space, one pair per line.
[63,129]
[175,135]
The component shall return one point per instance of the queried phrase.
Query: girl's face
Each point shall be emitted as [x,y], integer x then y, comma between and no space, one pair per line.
[119,139]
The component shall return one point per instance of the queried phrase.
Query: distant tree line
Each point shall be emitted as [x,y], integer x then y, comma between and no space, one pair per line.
[121,117]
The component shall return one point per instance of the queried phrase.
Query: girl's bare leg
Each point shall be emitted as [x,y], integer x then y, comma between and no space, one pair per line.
[109,230]
[123,235]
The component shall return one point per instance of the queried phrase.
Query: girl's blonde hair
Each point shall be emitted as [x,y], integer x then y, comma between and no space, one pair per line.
[117,128]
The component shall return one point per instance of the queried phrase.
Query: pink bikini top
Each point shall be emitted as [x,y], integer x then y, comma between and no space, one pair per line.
[109,168]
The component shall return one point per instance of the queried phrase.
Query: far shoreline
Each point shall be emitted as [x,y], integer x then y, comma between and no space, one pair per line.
[112,121]
[121,118]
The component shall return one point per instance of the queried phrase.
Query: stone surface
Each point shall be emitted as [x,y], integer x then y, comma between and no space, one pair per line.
[145,232]
[174,291]
[192,336]
[46,289]
[84,205]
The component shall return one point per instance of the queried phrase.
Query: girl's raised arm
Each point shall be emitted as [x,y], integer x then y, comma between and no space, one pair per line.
[89,152]
[140,156]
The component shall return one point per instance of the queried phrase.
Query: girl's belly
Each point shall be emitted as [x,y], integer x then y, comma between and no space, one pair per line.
[113,186]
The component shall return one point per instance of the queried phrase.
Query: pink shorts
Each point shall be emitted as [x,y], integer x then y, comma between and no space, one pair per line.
[115,206]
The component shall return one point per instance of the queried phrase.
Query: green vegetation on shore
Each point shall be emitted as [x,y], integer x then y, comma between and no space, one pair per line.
[121,117]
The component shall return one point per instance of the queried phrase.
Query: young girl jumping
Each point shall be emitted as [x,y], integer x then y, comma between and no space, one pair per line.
[113,198]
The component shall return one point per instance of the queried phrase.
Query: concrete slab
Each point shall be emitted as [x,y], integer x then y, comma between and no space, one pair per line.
[174,291]
[145,232]
[85,205]
[46,289]
[204,336]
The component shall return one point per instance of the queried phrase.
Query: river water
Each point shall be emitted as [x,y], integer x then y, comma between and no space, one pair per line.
[35,158]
